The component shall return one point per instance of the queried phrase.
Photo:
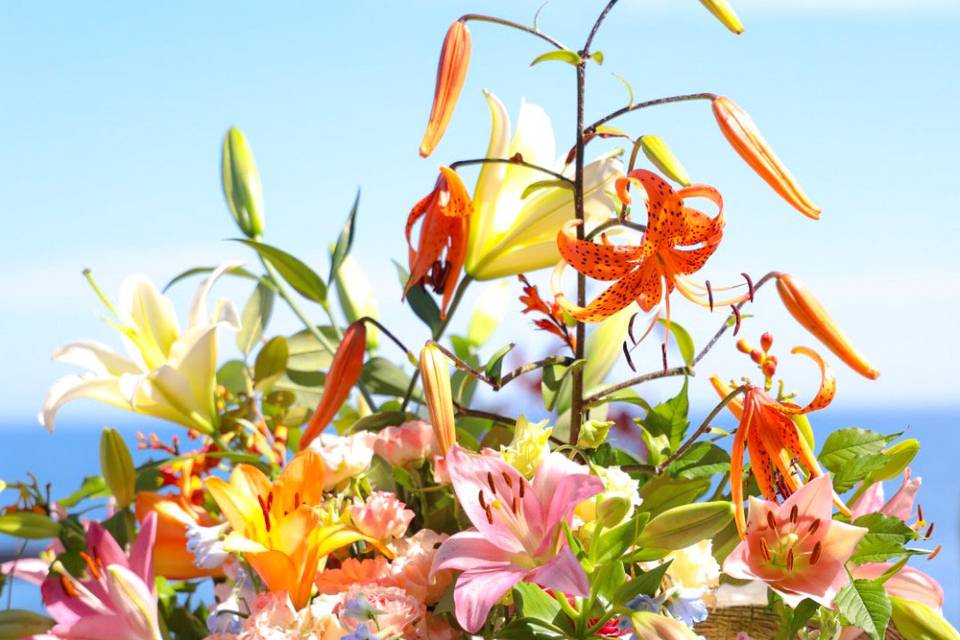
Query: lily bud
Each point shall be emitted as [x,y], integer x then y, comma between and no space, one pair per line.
[435,371]
[20,623]
[808,311]
[451,72]
[357,297]
[686,525]
[742,134]
[663,159]
[652,626]
[724,13]
[343,375]
[29,525]
[916,620]
[898,457]
[241,183]
[593,433]
[116,465]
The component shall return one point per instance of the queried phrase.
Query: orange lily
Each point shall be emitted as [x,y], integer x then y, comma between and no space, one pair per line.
[276,526]
[742,134]
[451,72]
[772,439]
[171,558]
[343,374]
[677,242]
[808,311]
[446,223]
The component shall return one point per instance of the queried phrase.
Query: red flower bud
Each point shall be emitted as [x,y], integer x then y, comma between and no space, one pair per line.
[451,72]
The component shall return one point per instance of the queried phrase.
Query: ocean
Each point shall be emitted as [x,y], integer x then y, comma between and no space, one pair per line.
[65,457]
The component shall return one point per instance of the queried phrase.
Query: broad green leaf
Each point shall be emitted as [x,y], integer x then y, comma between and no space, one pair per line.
[683,341]
[381,419]
[856,470]
[255,317]
[271,361]
[798,621]
[662,493]
[495,365]
[628,396]
[865,604]
[613,543]
[382,377]
[345,241]
[561,55]
[669,418]
[608,579]
[885,538]
[844,445]
[702,460]
[306,352]
[535,603]
[422,304]
[30,525]
[297,274]
[235,377]
[238,271]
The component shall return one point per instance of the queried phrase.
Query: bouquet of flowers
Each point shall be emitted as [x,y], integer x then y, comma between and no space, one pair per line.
[342,482]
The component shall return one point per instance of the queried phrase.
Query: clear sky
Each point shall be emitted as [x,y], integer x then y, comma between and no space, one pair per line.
[112,115]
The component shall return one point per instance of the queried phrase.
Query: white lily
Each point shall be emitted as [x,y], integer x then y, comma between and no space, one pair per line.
[169,374]
[511,235]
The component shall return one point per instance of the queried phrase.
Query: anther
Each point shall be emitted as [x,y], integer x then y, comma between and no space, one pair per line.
[764,550]
[920,513]
[929,531]
[493,487]
[489,513]
[513,505]
[770,520]
[935,552]
[794,514]
[296,499]
[68,586]
[265,510]
[506,478]
[709,295]
[626,354]
[483,503]
[790,560]
[521,484]
[813,526]
[749,284]
[736,326]
[815,556]
[91,565]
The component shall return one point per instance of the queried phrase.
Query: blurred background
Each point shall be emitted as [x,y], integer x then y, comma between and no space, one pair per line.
[110,136]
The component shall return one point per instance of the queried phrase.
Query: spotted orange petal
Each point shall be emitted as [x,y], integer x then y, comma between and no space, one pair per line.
[600,261]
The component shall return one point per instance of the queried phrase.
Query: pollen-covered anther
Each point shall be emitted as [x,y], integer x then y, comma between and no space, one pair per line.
[265,510]
[935,552]
[506,478]
[794,514]
[771,522]
[92,565]
[813,527]
[749,280]
[493,487]
[764,550]
[790,560]
[929,531]
[483,503]
[815,555]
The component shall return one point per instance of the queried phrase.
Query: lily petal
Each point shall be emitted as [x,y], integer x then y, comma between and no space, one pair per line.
[563,573]
[478,590]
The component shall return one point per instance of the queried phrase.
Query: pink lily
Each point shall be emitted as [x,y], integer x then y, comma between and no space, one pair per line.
[908,583]
[899,506]
[796,547]
[518,532]
[117,598]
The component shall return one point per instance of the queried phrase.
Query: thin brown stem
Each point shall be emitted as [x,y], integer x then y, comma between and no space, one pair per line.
[646,104]
[498,383]
[523,163]
[386,332]
[646,377]
[467,412]
[701,430]
[476,17]
[730,318]
[576,386]
[596,27]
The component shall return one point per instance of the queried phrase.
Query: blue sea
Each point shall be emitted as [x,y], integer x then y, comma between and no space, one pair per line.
[64,457]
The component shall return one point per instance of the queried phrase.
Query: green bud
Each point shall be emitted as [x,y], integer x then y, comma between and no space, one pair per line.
[30,525]
[116,466]
[357,297]
[803,426]
[898,457]
[241,183]
[917,621]
[593,433]
[663,159]
[612,510]
[685,525]
[19,623]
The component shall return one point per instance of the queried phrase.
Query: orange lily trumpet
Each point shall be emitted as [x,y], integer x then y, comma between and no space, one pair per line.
[442,247]
[175,515]
[740,131]
[451,72]
[808,311]
[343,375]
[276,527]
[677,242]
[772,439]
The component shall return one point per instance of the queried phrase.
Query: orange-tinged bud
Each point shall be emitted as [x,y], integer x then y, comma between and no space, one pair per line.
[435,371]
[743,346]
[741,132]
[756,355]
[766,341]
[451,72]
[808,311]
[343,374]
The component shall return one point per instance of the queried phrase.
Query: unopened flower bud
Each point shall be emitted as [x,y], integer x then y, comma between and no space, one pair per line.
[451,73]
[241,183]
[116,465]
[357,297]
[743,346]
[756,355]
[769,366]
[662,157]
[343,375]
[593,433]
[652,626]
[898,457]
[766,341]
[916,620]
[20,623]
[435,371]
[686,525]
[722,10]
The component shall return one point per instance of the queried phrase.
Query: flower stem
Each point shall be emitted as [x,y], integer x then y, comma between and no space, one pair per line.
[519,162]
[476,17]
[649,103]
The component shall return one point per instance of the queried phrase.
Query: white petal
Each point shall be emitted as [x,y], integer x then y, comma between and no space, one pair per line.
[198,307]
[74,386]
[95,356]
[152,316]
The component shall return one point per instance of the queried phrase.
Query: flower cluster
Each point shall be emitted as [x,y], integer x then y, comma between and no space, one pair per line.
[330,486]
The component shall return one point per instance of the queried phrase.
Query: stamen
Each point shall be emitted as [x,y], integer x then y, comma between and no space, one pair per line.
[813,526]
[91,565]
[815,556]
[265,510]
[770,520]
[709,295]
[663,349]
[506,478]
[296,499]
[489,513]
[749,280]
[68,586]
[521,487]
[483,503]
[736,326]
[764,550]
[270,501]
[630,331]
[929,531]
[794,514]
[513,505]
[935,552]
[919,513]
[493,487]
[790,560]
[626,354]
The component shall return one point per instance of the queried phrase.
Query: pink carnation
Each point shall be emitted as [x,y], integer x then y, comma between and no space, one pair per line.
[343,456]
[272,617]
[410,569]
[382,516]
[398,614]
[411,442]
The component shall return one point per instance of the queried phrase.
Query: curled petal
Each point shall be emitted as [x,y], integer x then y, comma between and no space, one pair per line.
[828,385]
[598,260]
[451,73]
[742,134]
[808,311]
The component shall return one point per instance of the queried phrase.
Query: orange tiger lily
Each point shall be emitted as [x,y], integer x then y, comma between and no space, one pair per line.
[446,223]
[677,242]
[276,527]
[772,439]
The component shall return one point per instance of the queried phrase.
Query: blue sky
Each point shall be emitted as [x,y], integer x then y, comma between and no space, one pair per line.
[112,119]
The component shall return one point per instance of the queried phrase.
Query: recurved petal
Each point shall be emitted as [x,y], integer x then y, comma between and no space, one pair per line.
[469,550]
[276,569]
[901,504]
[598,260]
[152,315]
[95,356]
[134,601]
[238,507]
[199,314]
[478,590]
[814,500]
[72,387]
[562,573]
[908,583]
[561,484]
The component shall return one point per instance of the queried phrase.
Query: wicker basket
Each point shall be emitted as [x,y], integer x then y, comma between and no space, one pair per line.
[757,622]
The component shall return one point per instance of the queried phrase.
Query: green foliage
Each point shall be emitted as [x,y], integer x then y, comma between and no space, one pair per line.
[886,538]
[560,55]
[29,525]
[293,270]
[424,306]
[864,604]
[255,317]
[852,454]
[345,241]
[669,418]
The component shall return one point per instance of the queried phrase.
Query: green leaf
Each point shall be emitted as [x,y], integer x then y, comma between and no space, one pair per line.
[533,187]
[196,271]
[845,445]
[856,470]
[235,377]
[255,317]
[306,352]
[885,538]
[608,579]
[702,460]
[420,301]
[683,340]
[271,361]
[91,487]
[561,55]
[345,241]
[669,418]
[297,274]
[646,584]
[381,419]
[626,86]
[597,56]
[535,603]
[613,543]
[20,623]
[495,365]
[628,396]
[30,525]
[865,604]
[798,621]
[662,493]
[384,378]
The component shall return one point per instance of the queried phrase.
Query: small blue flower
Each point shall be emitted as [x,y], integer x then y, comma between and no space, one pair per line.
[646,603]
[690,611]
[360,633]
[358,608]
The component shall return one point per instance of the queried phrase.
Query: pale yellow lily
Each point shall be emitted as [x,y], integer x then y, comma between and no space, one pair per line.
[168,374]
[510,234]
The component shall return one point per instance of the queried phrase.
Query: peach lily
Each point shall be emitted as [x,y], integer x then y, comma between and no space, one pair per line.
[276,527]
[174,516]
[677,242]
[441,249]
[451,73]
[796,547]
[772,439]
